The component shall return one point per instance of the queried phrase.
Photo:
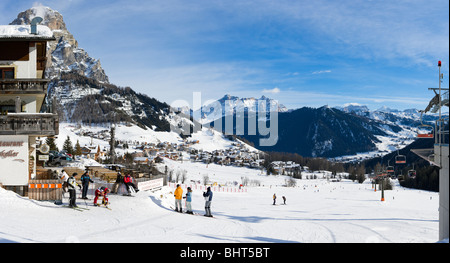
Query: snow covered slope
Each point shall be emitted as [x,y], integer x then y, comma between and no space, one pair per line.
[208,139]
[316,211]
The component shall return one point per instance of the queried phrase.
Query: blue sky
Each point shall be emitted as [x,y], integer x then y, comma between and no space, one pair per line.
[302,53]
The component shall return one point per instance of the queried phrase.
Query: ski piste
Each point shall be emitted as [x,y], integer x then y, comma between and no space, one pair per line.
[81,209]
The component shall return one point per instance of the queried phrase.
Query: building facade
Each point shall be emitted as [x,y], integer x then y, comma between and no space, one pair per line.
[23,89]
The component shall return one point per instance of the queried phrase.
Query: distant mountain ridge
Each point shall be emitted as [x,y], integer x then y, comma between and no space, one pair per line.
[322,132]
[229,105]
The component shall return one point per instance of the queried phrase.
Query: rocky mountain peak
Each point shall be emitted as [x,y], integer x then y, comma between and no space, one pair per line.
[51,18]
[66,55]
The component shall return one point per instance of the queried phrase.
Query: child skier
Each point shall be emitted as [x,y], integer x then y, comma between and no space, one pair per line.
[274,199]
[188,201]
[102,191]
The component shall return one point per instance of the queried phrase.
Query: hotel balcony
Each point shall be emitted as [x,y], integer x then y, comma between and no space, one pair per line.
[34,124]
[23,86]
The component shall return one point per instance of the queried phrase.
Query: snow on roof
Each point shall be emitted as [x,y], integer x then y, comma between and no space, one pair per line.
[24,32]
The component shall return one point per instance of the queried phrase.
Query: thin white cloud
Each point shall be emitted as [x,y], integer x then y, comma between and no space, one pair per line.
[275,90]
[321,72]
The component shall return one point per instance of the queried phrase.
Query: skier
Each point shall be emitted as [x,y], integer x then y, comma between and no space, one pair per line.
[188,198]
[101,191]
[274,199]
[64,177]
[72,183]
[178,195]
[208,198]
[85,179]
[284,199]
[128,182]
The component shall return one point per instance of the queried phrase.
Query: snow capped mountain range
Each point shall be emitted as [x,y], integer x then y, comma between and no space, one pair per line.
[229,105]
[83,94]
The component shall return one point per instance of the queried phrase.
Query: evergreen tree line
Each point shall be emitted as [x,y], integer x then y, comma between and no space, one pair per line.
[67,146]
[427,178]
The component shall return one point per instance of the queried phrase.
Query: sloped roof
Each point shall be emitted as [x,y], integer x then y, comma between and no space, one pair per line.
[23,33]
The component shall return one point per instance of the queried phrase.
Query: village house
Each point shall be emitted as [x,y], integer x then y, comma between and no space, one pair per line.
[23,88]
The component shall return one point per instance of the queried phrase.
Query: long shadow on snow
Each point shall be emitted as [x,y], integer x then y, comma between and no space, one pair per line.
[257,219]
[159,203]
[258,239]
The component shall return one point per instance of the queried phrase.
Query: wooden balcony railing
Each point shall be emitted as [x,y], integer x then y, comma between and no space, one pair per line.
[23,86]
[38,124]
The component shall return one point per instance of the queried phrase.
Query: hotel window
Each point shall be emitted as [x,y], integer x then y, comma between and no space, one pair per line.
[6,73]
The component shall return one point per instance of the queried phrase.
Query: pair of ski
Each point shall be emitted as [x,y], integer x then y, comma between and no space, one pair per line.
[103,205]
[193,213]
[81,209]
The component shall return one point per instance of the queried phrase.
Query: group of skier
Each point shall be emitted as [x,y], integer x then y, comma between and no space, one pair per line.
[70,183]
[275,199]
[178,194]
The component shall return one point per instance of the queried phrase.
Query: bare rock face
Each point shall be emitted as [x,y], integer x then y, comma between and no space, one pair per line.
[66,56]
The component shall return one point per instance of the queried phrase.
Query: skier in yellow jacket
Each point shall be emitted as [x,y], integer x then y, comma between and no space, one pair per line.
[178,196]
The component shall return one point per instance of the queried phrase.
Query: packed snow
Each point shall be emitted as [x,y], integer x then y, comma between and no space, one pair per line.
[316,211]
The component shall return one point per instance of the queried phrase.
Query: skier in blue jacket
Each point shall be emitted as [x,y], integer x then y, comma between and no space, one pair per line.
[208,198]
[85,179]
[188,198]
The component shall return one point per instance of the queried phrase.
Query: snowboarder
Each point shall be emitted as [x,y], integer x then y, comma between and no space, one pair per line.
[72,183]
[178,196]
[208,198]
[85,179]
[188,198]
[64,177]
[101,191]
[284,199]
[274,199]
[129,183]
